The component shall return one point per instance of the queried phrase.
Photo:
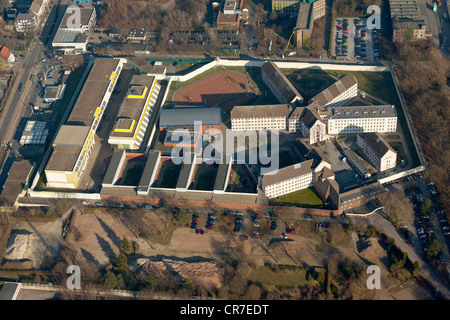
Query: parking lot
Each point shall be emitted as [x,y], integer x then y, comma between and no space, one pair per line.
[428,224]
[353,40]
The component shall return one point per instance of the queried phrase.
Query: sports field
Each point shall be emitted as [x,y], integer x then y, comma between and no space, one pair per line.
[212,90]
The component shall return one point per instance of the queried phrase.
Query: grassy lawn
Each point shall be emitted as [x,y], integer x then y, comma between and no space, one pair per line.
[281,278]
[133,175]
[169,179]
[378,84]
[205,182]
[303,198]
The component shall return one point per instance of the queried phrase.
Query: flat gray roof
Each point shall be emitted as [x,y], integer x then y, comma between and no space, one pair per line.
[92,92]
[184,173]
[149,169]
[85,17]
[131,108]
[221,176]
[63,158]
[113,166]
[352,112]
[73,136]
[9,290]
[187,116]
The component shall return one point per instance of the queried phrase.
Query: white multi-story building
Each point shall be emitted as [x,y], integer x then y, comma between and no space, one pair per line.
[378,151]
[309,124]
[338,94]
[286,180]
[355,119]
[260,117]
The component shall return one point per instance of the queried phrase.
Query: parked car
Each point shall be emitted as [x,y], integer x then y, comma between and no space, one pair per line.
[273,225]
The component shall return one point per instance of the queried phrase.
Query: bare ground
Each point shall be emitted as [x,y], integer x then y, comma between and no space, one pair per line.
[189,254]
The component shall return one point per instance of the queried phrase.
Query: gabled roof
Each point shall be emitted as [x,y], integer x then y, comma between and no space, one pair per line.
[377,144]
[333,91]
[4,53]
[280,82]
[261,111]
[310,118]
[287,173]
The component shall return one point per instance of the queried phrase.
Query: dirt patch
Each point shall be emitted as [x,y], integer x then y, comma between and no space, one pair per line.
[38,242]
[205,273]
[21,245]
[205,92]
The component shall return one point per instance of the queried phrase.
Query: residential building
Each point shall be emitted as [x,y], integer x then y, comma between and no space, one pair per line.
[75,139]
[26,22]
[29,16]
[259,117]
[380,154]
[137,34]
[286,180]
[7,55]
[135,113]
[360,119]
[279,85]
[338,94]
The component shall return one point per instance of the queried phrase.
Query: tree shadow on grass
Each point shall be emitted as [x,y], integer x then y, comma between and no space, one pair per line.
[110,233]
[106,247]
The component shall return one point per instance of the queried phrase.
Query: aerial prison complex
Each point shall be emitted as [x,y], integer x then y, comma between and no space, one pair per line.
[145,133]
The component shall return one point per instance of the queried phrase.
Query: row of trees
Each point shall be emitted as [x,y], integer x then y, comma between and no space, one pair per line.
[184,15]
[423,74]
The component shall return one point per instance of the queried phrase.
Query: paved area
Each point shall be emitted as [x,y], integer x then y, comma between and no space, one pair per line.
[352,40]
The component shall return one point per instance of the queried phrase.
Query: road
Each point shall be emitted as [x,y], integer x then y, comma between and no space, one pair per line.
[17,104]
[427,271]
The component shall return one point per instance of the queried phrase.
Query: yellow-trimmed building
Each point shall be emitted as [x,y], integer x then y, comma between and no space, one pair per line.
[75,139]
[135,113]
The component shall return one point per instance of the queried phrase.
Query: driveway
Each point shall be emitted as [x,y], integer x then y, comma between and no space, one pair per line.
[427,272]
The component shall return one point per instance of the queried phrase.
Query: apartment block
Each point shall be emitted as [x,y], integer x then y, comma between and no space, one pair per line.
[355,119]
[378,151]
